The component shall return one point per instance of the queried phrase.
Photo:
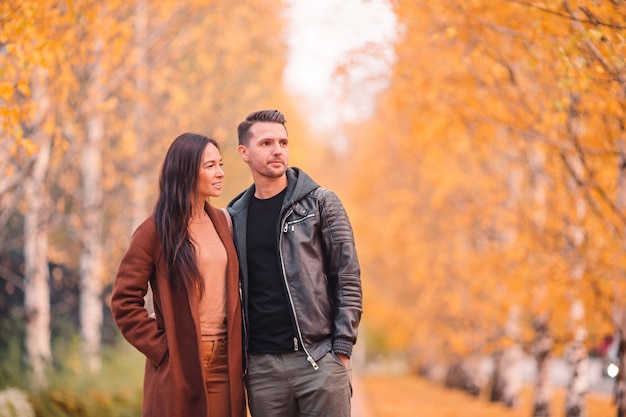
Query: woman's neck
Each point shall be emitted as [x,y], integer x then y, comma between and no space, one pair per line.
[197,211]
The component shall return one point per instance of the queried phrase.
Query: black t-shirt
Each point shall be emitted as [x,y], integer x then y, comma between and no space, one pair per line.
[271,327]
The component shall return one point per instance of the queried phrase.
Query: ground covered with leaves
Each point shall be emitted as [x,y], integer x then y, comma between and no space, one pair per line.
[410,396]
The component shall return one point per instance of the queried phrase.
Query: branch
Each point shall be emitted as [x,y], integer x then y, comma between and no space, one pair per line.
[592,48]
[566,16]
[165,32]
[11,277]
[10,184]
[590,173]
[535,136]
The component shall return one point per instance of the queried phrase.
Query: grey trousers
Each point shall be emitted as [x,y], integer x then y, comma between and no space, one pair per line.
[286,385]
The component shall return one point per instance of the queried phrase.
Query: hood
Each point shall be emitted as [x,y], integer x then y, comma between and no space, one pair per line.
[299,184]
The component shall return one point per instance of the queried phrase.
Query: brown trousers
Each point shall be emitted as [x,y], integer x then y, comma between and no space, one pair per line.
[215,361]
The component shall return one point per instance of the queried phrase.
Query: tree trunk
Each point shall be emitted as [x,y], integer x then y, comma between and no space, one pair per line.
[507,378]
[576,356]
[141,184]
[619,320]
[91,257]
[619,312]
[91,303]
[542,347]
[543,342]
[507,381]
[36,285]
[465,374]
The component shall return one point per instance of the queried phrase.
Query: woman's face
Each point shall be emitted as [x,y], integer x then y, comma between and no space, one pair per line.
[210,175]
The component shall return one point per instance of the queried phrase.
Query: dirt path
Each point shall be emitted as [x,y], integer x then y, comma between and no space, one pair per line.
[410,396]
[360,405]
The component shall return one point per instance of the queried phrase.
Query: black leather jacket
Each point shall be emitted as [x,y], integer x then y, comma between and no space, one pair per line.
[319,263]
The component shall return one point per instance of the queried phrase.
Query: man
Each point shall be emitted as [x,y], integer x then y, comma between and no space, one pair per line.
[300,280]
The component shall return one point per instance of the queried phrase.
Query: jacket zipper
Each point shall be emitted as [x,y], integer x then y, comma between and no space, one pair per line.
[245,329]
[293,310]
[292,223]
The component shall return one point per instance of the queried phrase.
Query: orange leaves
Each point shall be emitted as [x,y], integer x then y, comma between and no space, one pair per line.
[192,65]
[474,221]
[410,395]
[28,146]
[28,32]
[6,91]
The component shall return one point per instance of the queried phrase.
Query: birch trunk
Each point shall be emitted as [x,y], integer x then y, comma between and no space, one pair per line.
[36,285]
[619,311]
[506,383]
[619,320]
[465,374]
[543,342]
[91,303]
[141,183]
[507,376]
[542,347]
[578,360]
[140,180]
[576,353]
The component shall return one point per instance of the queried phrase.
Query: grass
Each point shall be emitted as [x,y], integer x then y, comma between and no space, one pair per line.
[72,391]
[115,392]
[410,396]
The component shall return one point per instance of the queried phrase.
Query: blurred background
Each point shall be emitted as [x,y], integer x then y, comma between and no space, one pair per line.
[478,146]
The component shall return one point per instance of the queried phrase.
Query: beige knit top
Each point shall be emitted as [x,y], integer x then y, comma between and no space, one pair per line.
[211,258]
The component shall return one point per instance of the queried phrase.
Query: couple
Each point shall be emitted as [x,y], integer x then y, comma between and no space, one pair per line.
[282,256]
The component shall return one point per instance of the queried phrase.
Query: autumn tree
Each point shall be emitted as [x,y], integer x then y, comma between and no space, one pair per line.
[92,95]
[32,58]
[498,188]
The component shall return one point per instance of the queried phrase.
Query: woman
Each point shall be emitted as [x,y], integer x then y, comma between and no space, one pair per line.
[184,252]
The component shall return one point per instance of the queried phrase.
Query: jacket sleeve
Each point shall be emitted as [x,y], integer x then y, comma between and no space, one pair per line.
[129,289]
[343,272]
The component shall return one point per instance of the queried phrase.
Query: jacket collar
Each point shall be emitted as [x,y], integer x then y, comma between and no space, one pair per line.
[299,184]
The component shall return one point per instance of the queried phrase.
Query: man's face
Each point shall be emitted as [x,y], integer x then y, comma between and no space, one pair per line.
[267,153]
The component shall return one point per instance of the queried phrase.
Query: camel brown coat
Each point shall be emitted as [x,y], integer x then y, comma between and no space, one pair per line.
[174,384]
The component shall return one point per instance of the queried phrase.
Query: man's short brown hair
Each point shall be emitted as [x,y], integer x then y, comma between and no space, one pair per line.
[271,116]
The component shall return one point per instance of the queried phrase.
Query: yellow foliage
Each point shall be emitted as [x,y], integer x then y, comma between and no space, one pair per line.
[199,66]
[6,91]
[473,227]
[29,146]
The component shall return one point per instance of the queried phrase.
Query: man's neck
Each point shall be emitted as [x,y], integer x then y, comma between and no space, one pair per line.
[268,187]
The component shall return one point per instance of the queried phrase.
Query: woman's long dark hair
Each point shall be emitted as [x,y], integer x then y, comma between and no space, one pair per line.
[173,209]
